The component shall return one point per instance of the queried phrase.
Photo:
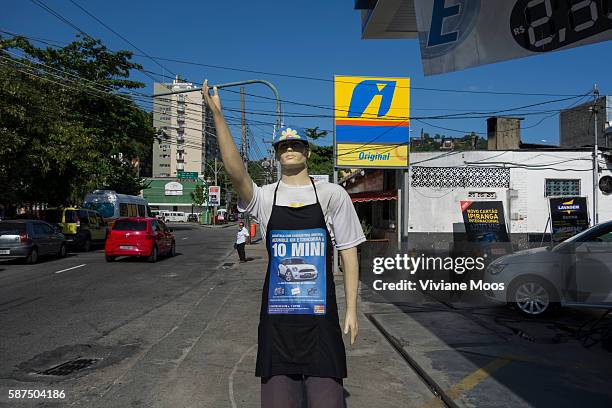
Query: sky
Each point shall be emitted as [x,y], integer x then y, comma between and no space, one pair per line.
[317,39]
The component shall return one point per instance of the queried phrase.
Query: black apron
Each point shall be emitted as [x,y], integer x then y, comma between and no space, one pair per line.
[299,331]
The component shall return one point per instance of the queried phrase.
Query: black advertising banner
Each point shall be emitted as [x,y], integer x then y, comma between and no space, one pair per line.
[568,216]
[484,221]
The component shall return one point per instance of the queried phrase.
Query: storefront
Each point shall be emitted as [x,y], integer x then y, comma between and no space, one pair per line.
[172,194]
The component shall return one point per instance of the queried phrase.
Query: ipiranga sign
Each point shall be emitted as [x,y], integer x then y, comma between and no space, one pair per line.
[372,122]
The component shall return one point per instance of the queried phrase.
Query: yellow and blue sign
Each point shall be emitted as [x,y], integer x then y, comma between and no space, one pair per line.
[372,122]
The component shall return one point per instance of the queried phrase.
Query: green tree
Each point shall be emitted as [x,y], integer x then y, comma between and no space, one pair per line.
[198,195]
[66,124]
[321,160]
[314,133]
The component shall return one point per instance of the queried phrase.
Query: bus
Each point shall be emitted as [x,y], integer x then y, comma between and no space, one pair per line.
[111,205]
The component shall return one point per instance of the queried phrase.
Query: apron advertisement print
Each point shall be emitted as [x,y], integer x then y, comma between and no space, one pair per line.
[297,272]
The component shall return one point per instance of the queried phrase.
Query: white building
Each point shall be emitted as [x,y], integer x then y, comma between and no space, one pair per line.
[521,179]
[187,138]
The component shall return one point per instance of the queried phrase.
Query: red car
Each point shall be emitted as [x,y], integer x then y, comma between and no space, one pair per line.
[141,237]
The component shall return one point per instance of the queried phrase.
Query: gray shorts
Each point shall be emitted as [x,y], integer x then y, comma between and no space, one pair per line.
[298,391]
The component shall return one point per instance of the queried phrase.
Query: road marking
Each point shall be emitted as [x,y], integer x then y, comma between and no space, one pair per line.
[69,269]
[231,376]
[186,238]
[470,381]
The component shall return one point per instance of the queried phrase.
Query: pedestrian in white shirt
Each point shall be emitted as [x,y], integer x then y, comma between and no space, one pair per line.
[241,237]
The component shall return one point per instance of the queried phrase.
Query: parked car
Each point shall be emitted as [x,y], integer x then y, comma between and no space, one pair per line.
[82,227]
[192,218]
[142,237]
[30,239]
[291,269]
[577,272]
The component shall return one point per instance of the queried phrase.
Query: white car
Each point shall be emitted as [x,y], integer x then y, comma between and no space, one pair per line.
[292,269]
[575,273]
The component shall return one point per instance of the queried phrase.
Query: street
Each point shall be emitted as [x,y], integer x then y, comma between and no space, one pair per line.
[182,333]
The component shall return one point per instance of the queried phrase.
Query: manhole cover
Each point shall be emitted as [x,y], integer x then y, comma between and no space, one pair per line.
[70,367]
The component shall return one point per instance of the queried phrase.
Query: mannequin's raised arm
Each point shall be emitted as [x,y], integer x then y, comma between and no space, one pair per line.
[232,161]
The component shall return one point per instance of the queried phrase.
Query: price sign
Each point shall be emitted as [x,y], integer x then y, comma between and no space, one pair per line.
[546,25]
[214,195]
[457,34]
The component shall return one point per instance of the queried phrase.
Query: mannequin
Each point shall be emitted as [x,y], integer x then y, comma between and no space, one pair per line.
[298,309]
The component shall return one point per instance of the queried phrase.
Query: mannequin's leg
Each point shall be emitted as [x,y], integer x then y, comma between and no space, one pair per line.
[282,391]
[324,392]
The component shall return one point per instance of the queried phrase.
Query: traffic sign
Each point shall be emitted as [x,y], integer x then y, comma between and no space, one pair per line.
[187,175]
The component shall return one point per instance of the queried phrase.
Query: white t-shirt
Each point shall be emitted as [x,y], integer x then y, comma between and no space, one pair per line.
[340,216]
[242,235]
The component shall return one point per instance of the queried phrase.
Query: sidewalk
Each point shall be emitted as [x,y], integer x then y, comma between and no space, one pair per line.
[377,377]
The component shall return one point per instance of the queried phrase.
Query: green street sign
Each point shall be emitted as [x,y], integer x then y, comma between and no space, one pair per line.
[187,175]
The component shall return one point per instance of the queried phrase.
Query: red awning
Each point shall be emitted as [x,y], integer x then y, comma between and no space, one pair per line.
[373,196]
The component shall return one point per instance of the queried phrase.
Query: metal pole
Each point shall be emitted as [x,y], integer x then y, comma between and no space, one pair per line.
[245,153]
[595,158]
[216,184]
[279,115]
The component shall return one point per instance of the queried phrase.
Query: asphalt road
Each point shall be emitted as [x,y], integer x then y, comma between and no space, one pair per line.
[54,308]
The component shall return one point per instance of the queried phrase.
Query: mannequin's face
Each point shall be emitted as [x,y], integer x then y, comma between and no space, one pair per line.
[292,153]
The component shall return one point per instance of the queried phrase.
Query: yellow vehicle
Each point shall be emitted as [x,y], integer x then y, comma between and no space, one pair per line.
[82,227]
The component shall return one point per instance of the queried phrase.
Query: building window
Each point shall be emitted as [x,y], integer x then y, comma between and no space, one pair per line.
[562,187]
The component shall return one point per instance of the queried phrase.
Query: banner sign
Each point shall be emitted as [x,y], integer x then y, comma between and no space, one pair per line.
[484,221]
[372,122]
[214,195]
[320,177]
[457,34]
[568,217]
[297,272]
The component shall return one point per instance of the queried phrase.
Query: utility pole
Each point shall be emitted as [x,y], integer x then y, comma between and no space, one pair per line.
[595,157]
[215,207]
[244,148]
[245,151]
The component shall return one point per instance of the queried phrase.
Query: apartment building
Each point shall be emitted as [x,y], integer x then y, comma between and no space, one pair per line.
[186,134]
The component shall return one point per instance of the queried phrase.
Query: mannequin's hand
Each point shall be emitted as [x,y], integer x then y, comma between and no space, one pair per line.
[350,323]
[213,101]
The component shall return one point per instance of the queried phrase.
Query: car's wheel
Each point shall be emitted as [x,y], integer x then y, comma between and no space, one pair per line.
[33,257]
[533,297]
[110,258]
[153,257]
[172,249]
[62,251]
[87,245]
[288,276]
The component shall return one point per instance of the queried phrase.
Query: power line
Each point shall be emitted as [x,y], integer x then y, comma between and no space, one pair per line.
[119,35]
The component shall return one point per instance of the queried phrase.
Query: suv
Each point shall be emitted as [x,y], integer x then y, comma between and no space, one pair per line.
[82,227]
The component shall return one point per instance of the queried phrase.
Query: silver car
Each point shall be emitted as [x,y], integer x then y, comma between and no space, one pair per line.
[576,272]
[291,269]
[30,239]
